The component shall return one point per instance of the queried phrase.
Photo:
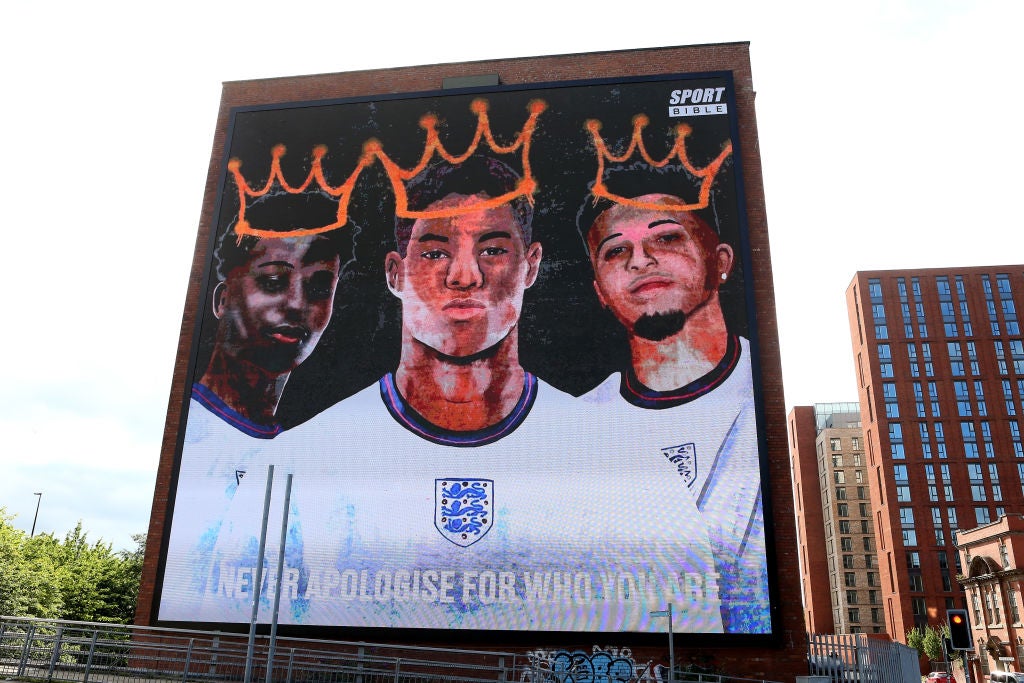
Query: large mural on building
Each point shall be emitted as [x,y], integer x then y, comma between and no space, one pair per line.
[502,340]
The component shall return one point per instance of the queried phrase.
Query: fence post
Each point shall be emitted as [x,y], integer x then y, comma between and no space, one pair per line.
[188,659]
[291,660]
[398,665]
[214,646]
[25,650]
[56,653]
[92,651]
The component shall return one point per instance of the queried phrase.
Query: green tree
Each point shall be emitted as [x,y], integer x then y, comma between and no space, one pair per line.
[915,639]
[70,579]
[933,644]
[28,579]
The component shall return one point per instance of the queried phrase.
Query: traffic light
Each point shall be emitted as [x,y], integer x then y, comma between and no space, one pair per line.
[959,629]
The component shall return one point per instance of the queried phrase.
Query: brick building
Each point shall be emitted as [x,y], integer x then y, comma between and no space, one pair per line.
[940,371]
[993,559]
[838,562]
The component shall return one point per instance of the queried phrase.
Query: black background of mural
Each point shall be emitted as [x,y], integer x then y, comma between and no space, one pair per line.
[566,338]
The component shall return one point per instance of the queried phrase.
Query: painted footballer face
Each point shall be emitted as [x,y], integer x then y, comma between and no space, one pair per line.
[462,280]
[274,308]
[652,264]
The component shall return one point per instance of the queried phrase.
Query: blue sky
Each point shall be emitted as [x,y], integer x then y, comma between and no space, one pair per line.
[889,138]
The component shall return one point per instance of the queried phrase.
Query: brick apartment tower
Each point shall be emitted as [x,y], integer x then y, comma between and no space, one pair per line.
[940,370]
[838,561]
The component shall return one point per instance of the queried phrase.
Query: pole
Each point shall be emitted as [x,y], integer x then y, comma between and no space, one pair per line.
[280,573]
[258,581]
[34,519]
[671,647]
[671,651]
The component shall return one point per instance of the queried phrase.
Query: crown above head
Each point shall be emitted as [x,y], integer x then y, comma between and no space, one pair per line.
[705,175]
[373,151]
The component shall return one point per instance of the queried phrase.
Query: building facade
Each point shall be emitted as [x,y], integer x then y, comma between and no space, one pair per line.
[940,369]
[993,558]
[838,562]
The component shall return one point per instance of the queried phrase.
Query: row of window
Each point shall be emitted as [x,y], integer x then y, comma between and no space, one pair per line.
[934,433]
[982,515]
[912,309]
[961,358]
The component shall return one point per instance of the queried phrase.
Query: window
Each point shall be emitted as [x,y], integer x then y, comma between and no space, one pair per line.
[896,440]
[970,439]
[951,516]
[907,526]
[978,492]
[993,478]
[839,476]
[836,444]
[982,515]
[885,360]
[855,443]
[854,614]
[916,583]
[846,543]
[913,559]
[963,399]
[837,460]
[851,597]
[850,579]
[840,493]
[847,561]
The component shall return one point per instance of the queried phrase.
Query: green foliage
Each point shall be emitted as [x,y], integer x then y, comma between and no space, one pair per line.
[70,579]
[933,644]
[915,639]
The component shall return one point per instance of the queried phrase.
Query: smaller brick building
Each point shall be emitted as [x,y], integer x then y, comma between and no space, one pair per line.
[993,559]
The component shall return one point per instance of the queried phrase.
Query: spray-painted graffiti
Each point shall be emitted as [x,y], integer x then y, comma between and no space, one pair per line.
[601,665]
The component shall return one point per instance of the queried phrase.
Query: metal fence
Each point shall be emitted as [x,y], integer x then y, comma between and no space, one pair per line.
[111,653]
[855,657]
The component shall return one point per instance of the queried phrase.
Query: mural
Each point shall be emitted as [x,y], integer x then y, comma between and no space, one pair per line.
[503,342]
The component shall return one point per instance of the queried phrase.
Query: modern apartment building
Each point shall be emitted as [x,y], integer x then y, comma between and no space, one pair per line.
[940,369]
[840,583]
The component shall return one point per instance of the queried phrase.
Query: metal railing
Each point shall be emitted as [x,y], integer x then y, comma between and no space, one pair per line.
[855,657]
[111,653]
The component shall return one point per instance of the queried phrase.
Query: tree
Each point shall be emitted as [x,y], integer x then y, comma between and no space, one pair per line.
[28,582]
[44,577]
[915,639]
[933,644]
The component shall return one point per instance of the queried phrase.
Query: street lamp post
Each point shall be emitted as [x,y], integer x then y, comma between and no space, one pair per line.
[671,652]
[36,518]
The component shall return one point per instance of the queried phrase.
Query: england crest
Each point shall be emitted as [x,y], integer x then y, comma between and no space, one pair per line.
[684,457]
[463,509]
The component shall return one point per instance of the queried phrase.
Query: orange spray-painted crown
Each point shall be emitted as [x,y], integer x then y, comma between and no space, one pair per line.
[705,176]
[373,151]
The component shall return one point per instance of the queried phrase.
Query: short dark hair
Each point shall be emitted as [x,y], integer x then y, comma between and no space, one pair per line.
[476,175]
[282,211]
[633,180]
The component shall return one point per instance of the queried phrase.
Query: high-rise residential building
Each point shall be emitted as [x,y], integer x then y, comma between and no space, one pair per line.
[838,561]
[940,369]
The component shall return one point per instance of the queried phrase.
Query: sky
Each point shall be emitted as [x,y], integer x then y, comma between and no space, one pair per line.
[889,138]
